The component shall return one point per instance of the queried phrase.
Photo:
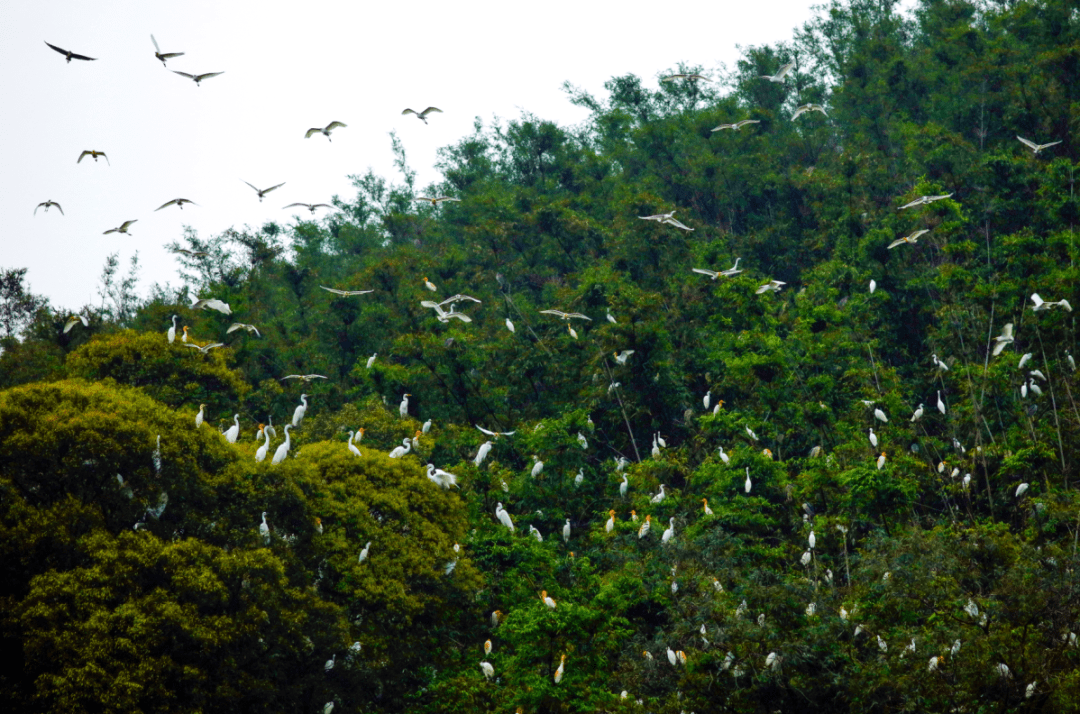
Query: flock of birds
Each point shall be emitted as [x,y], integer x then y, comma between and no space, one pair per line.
[447,310]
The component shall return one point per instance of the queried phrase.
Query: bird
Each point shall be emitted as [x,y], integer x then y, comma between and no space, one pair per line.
[299,412]
[918,414]
[93,154]
[873,437]
[669,532]
[310,206]
[880,416]
[924,201]
[440,477]
[724,457]
[881,644]
[234,431]
[482,453]
[74,320]
[911,239]
[559,671]
[212,304]
[122,229]
[672,657]
[750,433]
[504,517]
[611,318]
[621,357]
[422,116]
[443,315]
[494,433]
[69,55]
[1004,339]
[658,217]
[509,325]
[305,378]
[178,202]
[1041,305]
[781,73]
[1026,142]
[1029,691]
[806,558]
[566,531]
[610,525]
[198,78]
[48,204]
[736,126]
[940,404]
[644,529]
[673,77]
[325,131]
[264,530]
[873,286]
[436,200]
[163,56]
[773,286]
[260,453]
[487,669]
[706,399]
[251,328]
[1021,490]
[200,416]
[364,553]
[566,315]
[1024,359]
[942,367]
[487,647]
[190,253]
[547,600]
[659,496]
[329,664]
[881,461]
[808,108]
[748,484]
[371,359]
[262,192]
[204,349]
[328,708]
[538,467]
[399,451]
[624,485]
[352,446]
[812,540]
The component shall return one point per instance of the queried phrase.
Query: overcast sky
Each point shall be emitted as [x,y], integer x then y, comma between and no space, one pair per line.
[288,67]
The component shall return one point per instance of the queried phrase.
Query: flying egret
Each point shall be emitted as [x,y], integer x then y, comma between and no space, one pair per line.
[93,154]
[212,304]
[436,200]
[911,239]
[781,73]
[1026,142]
[122,229]
[808,108]
[69,55]
[494,433]
[736,126]
[197,78]
[364,553]
[422,116]
[621,357]
[924,201]
[300,411]
[610,525]
[234,431]
[504,517]
[263,191]
[163,56]
[325,131]
[773,286]
[283,450]
[48,204]
[347,293]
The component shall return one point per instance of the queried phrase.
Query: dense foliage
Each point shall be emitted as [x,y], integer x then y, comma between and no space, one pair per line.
[808,567]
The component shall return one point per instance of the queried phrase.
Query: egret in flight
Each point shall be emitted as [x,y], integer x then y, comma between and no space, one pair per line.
[198,78]
[808,108]
[349,293]
[924,201]
[781,73]
[93,154]
[1004,339]
[163,56]
[1026,142]
[909,239]
[263,191]
[325,131]
[69,55]
[122,229]
[48,205]
[422,116]
[178,202]
[737,125]
[75,320]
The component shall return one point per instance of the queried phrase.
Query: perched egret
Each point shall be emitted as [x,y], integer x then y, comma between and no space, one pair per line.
[812,540]
[510,325]
[172,330]
[610,525]
[269,428]
[260,454]
[536,534]
[283,450]
[200,416]
[566,531]
[1024,359]
[399,451]
[751,434]
[873,286]
[707,398]
[669,532]
[873,437]
[806,558]
[544,598]
[918,414]
[299,412]
[611,318]
[940,404]
[881,461]
[264,530]
[538,466]
[748,484]
[426,427]
[440,477]
[582,440]
[487,647]
[504,517]
[1021,490]
[484,450]
[364,553]
[403,408]
[329,664]
[487,669]
[580,477]
[559,671]
[672,657]
[234,431]
[880,416]
[659,496]
[624,485]
[708,511]
[352,446]
[942,367]
[724,457]
[644,530]
[371,360]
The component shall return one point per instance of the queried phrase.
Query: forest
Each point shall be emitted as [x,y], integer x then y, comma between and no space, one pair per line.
[840,476]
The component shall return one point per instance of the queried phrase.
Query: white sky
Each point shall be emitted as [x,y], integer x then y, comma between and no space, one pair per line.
[288,67]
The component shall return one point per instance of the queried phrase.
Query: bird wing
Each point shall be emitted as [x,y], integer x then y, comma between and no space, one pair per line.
[314,130]
[1030,144]
[461,316]
[37,207]
[799,112]
[305,205]
[677,224]
[292,376]
[268,190]
[334,125]
[313,376]
[578,314]
[124,226]
[189,344]
[211,346]
[321,205]
[208,75]
[764,288]
[111,230]
[182,74]
[915,236]
[724,126]
[165,205]
[84,154]
[430,304]
[448,198]
[59,208]
[170,55]
[156,48]
[744,122]
[898,241]
[256,190]
[1007,331]
[429,110]
[916,202]
[234,327]
[408,111]
[70,323]
[710,273]
[559,313]
[64,52]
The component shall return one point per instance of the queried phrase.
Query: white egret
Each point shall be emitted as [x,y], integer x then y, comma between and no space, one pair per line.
[624,485]
[1072,362]
[403,408]
[1004,339]
[799,111]
[264,530]
[610,525]
[812,540]
[708,511]
[645,527]
[559,671]
[918,414]
[873,437]
[538,466]
[485,449]
[328,708]
[939,364]
[48,204]
[270,427]
[659,496]
[352,446]
[510,325]
[426,427]
[536,534]
[611,318]
[910,239]
[283,449]
[123,228]
[260,454]
[671,657]
[263,191]
[707,398]
[580,477]
[669,532]
[781,73]
[200,416]
[440,477]
[582,440]
[325,131]
[205,348]
[1029,691]
[940,404]
[494,433]
[487,669]
[1021,490]
[924,201]
[300,411]
[806,558]
[881,461]
[724,457]
[422,116]
[881,644]
[544,598]
[504,517]
[346,293]
[399,451]
[371,360]
[364,553]
[621,357]
[487,647]
[1036,147]
[251,328]
[234,431]
[655,448]
[197,78]
[748,484]
[773,286]
[1024,359]
[172,330]
[736,126]
[566,531]
[329,664]
[880,416]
